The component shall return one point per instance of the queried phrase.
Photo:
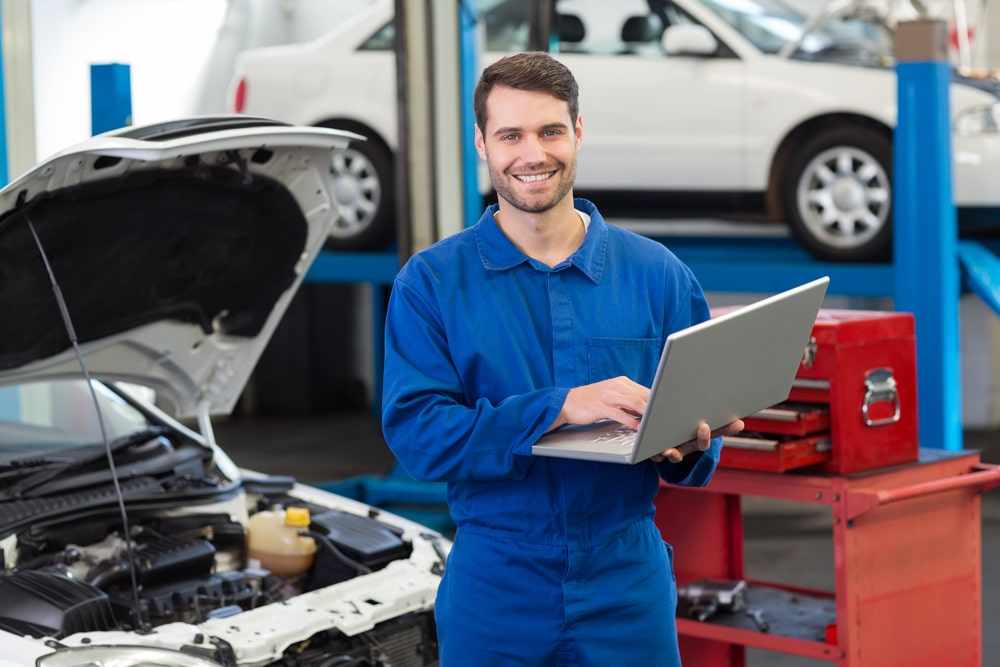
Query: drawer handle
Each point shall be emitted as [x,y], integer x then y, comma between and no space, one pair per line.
[880,386]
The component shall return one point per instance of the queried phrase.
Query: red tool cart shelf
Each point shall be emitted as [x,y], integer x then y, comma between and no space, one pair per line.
[907,564]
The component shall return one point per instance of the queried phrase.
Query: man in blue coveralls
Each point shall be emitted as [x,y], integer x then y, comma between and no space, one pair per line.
[540,315]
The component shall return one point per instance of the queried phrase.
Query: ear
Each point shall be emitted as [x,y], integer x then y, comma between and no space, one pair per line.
[579,130]
[480,143]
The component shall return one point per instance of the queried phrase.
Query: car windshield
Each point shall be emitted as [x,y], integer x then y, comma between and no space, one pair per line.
[39,417]
[772,25]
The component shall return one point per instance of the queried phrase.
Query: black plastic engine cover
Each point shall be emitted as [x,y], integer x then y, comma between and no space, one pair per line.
[363,540]
[43,604]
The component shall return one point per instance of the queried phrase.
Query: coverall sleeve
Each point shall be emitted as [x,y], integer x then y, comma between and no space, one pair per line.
[434,432]
[695,469]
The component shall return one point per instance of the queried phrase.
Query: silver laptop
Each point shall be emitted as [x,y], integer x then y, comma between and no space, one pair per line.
[720,370]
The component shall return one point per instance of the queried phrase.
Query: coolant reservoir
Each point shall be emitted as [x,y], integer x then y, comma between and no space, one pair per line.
[275,542]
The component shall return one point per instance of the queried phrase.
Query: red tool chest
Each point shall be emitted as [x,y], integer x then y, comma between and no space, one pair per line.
[858,379]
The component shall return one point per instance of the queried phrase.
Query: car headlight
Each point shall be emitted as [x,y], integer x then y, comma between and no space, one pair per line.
[122,656]
[978,120]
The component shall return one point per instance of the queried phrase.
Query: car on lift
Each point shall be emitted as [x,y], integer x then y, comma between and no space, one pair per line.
[753,103]
[141,275]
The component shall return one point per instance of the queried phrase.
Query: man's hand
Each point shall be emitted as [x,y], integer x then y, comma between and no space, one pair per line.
[619,399]
[700,443]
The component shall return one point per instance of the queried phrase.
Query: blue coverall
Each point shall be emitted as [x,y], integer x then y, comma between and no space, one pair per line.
[555,561]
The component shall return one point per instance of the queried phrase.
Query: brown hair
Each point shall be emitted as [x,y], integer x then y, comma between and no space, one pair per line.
[535,71]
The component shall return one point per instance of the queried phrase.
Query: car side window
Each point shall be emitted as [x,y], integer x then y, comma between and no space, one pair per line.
[607,28]
[505,28]
[625,27]
[505,25]
[384,39]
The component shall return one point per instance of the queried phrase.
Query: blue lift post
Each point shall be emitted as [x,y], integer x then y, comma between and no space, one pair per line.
[10,399]
[110,97]
[469,47]
[4,175]
[925,229]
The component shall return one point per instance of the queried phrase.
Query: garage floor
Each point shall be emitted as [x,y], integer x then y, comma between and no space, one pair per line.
[330,448]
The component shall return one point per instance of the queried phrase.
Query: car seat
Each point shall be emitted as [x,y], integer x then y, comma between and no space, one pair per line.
[570,32]
[639,32]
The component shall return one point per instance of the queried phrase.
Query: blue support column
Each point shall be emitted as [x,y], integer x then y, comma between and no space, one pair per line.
[110,97]
[4,173]
[468,20]
[925,228]
[10,398]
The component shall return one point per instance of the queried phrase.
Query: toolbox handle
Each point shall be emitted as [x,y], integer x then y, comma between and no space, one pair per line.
[984,475]
[880,386]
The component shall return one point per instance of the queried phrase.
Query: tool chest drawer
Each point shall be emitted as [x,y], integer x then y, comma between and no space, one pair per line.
[774,453]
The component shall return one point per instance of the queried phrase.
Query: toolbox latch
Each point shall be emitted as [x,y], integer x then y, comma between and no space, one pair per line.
[880,386]
[809,355]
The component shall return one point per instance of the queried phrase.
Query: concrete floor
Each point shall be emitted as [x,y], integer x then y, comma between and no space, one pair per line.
[331,448]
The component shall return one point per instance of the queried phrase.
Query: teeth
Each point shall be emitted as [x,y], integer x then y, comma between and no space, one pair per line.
[534,178]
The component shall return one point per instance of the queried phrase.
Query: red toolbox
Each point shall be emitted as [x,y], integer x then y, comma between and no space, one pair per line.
[857,382]
[862,364]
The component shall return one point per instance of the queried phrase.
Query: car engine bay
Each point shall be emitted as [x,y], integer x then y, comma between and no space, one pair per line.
[69,572]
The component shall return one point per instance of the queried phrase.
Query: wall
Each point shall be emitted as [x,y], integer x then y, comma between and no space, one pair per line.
[165,42]
[180,53]
[980,350]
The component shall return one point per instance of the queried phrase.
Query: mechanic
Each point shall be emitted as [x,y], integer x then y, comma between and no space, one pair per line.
[540,315]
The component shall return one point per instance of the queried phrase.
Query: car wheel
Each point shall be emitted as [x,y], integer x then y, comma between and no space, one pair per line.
[362,182]
[838,195]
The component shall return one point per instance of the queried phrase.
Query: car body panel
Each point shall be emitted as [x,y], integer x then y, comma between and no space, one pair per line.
[977,163]
[626,145]
[203,354]
[322,89]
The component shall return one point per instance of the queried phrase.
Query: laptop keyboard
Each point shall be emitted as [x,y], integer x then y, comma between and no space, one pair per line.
[622,437]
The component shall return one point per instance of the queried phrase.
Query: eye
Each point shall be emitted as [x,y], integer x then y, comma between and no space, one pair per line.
[508,137]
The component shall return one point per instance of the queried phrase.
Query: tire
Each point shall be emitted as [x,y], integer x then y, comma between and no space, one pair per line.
[837,195]
[362,183]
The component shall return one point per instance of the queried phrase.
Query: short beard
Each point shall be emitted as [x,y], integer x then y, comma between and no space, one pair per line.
[506,193]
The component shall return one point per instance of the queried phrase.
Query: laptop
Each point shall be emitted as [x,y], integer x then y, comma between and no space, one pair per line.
[717,371]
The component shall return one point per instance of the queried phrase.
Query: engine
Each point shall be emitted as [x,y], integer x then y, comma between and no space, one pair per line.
[85,577]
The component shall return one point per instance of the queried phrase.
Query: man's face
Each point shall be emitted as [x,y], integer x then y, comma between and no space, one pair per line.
[530,147]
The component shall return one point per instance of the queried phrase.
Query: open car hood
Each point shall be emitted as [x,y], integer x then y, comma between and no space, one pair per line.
[176,247]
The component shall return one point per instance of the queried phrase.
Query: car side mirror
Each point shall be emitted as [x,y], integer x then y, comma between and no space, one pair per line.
[689,40]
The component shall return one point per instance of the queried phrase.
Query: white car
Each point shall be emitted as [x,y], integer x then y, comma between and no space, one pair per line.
[141,275]
[750,102]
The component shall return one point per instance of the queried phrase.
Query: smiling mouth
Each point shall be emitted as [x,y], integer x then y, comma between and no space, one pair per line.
[534,178]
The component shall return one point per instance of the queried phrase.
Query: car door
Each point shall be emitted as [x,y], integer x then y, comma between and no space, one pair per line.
[651,121]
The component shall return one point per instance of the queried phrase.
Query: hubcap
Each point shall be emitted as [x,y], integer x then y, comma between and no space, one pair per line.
[843,197]
[848,194]
[357,190]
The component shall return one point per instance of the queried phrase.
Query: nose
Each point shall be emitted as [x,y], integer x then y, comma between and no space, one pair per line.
[532,150]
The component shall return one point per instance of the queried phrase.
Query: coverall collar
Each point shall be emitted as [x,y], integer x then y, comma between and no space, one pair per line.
[498,253]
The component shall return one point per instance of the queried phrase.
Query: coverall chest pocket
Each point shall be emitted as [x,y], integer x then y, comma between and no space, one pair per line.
[635,358]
